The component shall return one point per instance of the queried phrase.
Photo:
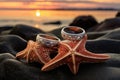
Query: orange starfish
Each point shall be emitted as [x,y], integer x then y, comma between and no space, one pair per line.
[35,52]
[73,53]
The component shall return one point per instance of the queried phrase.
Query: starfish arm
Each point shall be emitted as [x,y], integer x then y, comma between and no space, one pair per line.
[55,62]
[30,50]
[74,65]
[28,54]
[73,69]
[93,57]
[81,44]
[21,54]
[34,52]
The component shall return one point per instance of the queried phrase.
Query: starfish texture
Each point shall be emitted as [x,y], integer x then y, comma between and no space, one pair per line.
[35,52]
[73,53]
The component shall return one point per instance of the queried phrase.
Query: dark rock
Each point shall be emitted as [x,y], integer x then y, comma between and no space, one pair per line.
[57,32]
[114,60]
[118,14]
[108,24]
[85,22]
[12,69]
[5,29]
[26,32]
[95,35]
[4,56]
[104,42]
[11,44]
[109,34]
[53,23]
[103,46]
[113,34]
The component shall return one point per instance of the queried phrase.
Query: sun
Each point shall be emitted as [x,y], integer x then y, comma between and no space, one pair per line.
[37,13]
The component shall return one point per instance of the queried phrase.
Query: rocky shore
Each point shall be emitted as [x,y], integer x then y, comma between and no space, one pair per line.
[103,37]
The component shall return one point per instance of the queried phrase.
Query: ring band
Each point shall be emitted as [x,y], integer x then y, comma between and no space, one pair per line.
[47,40]
[72,33]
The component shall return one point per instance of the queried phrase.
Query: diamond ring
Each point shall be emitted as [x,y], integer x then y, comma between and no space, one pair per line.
[47,40]
[72,33]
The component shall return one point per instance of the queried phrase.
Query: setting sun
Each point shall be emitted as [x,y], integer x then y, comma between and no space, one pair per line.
[38,13]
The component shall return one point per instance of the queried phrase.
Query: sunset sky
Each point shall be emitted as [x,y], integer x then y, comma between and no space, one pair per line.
[53,4]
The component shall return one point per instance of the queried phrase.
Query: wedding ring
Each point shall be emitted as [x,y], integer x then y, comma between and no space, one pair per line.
[47,40]
[72,33]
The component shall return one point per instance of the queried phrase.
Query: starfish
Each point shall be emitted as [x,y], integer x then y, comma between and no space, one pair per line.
[73,53]
[35,52]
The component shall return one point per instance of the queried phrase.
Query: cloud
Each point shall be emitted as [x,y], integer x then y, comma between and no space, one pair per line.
[17,0]
[59,4]
[46,1]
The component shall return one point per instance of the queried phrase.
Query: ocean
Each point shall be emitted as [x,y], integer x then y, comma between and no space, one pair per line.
[36,18]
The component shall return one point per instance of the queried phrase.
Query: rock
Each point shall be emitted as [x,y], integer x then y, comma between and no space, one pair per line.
[109,34]
[113,34]
[118,14]
[85,22]
[101,42]
[12,69]
[103,46]
[108,24]
[114,60]
[26,32]
[5,29]
[11,44]
[95,35]
[4,56]
[53,23]
[57,32]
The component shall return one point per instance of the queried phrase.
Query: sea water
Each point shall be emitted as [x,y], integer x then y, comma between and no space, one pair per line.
[36,18]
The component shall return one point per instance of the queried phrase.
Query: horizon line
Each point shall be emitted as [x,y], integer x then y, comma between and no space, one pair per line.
[59,9]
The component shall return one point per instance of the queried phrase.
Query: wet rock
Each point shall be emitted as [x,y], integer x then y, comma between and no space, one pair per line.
[118,14]
[108,24]
[5,29]
[85,22]
[11,44]
[26,32]
[12,69]
[104,42]
[103,46]
[57,32]
[108,34]
[53,23]
[95,35]
[113,34]
[4,56]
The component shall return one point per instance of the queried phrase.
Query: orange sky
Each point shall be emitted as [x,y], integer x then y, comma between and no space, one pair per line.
[52,4]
